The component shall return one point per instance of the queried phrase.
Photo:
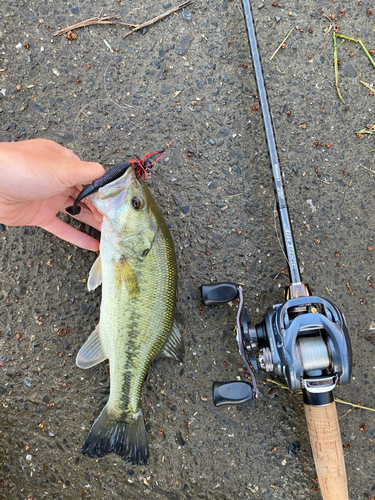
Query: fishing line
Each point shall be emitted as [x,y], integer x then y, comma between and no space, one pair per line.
[135,126]
[134,117]
[240,342]
[108,98]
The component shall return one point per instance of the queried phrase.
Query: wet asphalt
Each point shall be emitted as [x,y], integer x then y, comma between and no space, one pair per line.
[186,83]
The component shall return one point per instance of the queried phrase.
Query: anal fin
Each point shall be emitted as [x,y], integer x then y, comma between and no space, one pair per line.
[174,347]
[92,352]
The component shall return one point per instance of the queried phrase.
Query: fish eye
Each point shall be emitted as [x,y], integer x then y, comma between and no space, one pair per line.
[137,204]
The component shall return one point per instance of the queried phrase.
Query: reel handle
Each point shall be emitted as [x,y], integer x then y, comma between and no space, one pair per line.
[326,445]
[231,393]
[219,293]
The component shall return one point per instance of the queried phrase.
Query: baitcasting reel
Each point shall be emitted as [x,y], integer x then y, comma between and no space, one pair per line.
[305,340]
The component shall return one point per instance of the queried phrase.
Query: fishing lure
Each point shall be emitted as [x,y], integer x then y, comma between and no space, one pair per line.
[141,168]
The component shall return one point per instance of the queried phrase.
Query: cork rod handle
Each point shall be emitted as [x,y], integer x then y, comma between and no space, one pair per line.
[326,445]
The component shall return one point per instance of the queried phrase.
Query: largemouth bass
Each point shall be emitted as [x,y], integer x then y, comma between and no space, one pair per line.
[137,270]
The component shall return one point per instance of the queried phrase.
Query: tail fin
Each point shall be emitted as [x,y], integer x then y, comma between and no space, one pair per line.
[125,435]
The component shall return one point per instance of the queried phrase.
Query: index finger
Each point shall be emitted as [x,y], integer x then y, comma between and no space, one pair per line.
[72,235]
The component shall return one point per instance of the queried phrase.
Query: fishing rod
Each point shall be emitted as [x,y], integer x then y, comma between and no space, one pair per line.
[304,340]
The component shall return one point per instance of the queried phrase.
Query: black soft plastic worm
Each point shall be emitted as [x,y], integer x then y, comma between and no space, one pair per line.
[112,174]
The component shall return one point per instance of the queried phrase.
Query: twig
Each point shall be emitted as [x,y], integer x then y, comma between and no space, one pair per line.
[282,271]
[366,85]
[369,131]
[346,413]
[329,19]
[350,39]
[280,384]
[354,405]
[91,21]
[279,47]
[336,66]
[327,30]
[233,195]
[239,8]
[157,18]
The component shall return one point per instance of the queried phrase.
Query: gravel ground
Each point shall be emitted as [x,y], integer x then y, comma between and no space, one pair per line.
[186,82]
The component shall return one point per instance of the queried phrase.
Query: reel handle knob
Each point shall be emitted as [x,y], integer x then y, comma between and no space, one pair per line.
[219,293]
[231,393]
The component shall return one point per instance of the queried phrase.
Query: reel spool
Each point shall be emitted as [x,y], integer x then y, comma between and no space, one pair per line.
[315,354]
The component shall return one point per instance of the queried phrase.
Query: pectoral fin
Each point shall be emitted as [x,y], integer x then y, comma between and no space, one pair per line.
[174,348]
[124,274]
[95,276]
[92,352]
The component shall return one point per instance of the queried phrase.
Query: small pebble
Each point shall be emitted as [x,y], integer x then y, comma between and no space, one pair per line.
[349,71]
[294,448]
[186,14]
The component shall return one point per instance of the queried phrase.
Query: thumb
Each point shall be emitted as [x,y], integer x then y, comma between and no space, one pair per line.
[80,172]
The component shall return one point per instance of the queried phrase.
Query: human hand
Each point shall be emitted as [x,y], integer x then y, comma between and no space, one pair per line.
[39,178]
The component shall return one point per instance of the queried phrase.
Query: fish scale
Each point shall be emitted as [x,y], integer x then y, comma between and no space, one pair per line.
[127,320]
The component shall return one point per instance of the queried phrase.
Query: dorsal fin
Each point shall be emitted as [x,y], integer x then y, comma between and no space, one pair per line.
[174,347]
